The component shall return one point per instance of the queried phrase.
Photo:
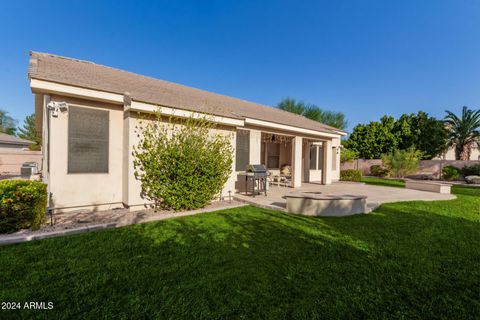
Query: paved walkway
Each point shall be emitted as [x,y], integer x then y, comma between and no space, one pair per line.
[376,195]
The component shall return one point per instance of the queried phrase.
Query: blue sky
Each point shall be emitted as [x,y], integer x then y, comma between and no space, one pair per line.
[364,58]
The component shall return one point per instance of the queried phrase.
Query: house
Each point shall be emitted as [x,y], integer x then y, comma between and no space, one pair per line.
[88,113]
[450,154]
[12,143]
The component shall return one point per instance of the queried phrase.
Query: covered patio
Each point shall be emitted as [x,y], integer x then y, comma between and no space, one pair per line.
[376,195]
[291,160]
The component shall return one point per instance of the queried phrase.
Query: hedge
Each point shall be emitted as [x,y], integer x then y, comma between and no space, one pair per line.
[451,173]
[351,175]
[378,171]
[22,204]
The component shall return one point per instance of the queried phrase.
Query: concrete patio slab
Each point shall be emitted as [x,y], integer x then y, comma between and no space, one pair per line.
[376,195]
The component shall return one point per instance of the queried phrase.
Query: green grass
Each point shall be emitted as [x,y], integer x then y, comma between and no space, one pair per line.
[384,182]
[410,260]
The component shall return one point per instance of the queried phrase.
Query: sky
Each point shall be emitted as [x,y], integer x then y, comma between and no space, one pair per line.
[364,58]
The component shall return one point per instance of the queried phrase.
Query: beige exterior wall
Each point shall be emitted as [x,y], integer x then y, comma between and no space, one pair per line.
[297,160]
[38,113]
[255,146]
[119,188]
[327,162]
[336,159]
[11,159]
[131,191]
[94,190]
[450,155]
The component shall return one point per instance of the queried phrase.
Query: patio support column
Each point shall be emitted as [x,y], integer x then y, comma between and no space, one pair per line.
[255,146]
[297,149]
[327,163]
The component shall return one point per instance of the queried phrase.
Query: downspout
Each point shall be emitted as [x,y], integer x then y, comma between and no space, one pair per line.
[46,153]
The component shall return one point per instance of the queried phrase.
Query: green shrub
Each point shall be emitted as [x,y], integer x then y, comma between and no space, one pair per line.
[473,170]
[451,173]
[351,175]
[378,171]
[182,164]
[402,162]
[22,204]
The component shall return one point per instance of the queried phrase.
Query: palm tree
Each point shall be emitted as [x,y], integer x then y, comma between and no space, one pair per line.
[464,131]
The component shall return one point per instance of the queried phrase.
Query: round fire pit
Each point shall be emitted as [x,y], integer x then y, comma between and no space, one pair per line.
[318,204]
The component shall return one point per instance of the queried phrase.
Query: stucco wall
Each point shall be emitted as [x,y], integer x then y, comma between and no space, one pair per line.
[426,166]
[336,172]
[132,187]
[119,187]
[450,155]
[12,159]
[98,190]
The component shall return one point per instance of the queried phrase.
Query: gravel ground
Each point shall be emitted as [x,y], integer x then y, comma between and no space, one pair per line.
[84,218]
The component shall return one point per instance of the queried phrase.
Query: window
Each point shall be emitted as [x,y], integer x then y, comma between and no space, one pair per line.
[242,150]
[273,156]
[313,157]
[88,133]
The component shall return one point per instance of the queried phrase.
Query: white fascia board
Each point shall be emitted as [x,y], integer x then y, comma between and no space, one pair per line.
[151,108]
[268,124]
[72,91]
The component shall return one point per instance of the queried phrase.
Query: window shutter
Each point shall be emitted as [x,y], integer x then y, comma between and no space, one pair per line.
[242,150]
[88,137]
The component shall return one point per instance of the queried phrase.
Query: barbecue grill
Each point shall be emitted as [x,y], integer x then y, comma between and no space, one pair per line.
[257,173]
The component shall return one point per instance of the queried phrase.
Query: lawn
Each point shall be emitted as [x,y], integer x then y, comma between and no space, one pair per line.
[384,182]
[411,260]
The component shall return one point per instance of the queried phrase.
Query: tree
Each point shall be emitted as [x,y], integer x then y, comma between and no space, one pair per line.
[29,132]
[334,119]
[421,132]
[182,164]
[373,140]
[418,131]
[290,105]
[7,123]
[313,112]
[463,131]
[402,162]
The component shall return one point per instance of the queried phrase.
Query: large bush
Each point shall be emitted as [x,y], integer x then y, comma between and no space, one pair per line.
[419,131]
[22,204]
[402,162]
[378,171]
[182,164]
[351,175]
[451,173]
[473,170]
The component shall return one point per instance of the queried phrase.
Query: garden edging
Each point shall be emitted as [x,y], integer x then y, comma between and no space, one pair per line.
[9,239]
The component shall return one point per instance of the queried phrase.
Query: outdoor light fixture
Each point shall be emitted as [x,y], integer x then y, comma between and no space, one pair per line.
[55,107]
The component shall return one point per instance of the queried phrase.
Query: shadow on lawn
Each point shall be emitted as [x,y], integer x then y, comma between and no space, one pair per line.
[253,263]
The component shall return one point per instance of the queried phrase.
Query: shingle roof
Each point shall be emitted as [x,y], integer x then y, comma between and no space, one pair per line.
[6,138]
[90,75]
